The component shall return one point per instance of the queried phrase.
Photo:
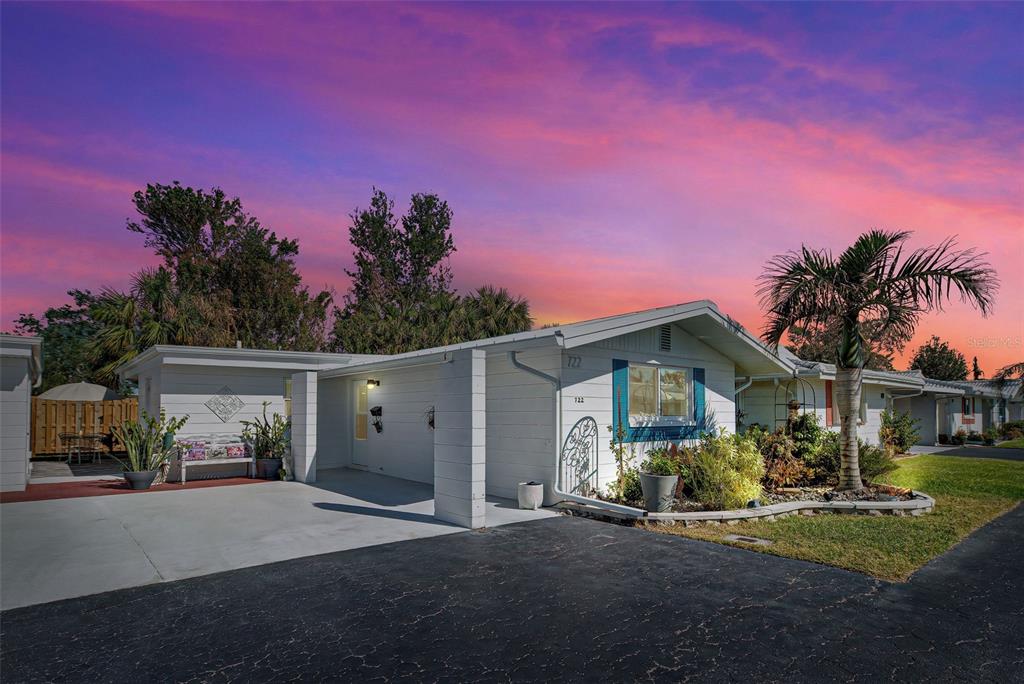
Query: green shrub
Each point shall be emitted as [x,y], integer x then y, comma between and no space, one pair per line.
[899,431]
[806,434]
[873,461]
[960,438]
[1013,429]
[632,492]
[990,435]
[658,462]
[726,471]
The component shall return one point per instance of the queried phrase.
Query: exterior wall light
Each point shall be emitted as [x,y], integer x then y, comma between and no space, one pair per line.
[372,383]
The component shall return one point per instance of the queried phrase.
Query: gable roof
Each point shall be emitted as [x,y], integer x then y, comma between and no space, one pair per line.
[827,371]
[702,319]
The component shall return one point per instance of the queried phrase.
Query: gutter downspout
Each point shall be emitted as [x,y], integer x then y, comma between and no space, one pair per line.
[556,384]
[736,392]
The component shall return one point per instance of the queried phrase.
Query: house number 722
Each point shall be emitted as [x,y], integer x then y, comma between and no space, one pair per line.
[579,400]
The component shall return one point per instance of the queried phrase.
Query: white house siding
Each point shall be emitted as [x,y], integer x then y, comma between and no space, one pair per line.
[183,390]
[587,374]
[15,398]
[922,409]
[520,421]
[405,446]
[758,403]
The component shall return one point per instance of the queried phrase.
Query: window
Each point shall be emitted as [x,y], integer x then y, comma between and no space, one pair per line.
[658,391]
[361,411]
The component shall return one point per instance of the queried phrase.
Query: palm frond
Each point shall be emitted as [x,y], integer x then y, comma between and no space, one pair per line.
[930,276]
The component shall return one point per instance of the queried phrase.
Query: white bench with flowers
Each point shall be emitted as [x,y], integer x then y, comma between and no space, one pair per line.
[198,451]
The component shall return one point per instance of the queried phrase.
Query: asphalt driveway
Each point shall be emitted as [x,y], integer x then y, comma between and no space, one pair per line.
[985,452]
[560,599]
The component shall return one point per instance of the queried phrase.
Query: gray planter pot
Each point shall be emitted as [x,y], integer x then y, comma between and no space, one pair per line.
[266,468]
[659,491]
[140,480]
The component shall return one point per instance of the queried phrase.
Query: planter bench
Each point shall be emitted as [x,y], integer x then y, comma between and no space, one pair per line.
[184,465]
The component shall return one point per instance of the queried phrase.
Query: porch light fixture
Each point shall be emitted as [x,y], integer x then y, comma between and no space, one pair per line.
[372,383]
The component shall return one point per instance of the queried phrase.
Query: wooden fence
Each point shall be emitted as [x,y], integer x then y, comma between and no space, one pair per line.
[51,418]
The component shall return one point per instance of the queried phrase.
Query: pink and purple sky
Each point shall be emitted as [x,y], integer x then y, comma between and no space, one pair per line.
[599,158]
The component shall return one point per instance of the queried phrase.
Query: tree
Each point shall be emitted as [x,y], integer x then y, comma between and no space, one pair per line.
[936,359]
[491,312]
[976,372]
[224,278]
[817,343]
[155,311]
[401,297]
[66,331]
[211,248]
[875,297]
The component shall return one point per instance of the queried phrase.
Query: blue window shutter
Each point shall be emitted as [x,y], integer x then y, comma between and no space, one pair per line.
[620,396]
[699,414]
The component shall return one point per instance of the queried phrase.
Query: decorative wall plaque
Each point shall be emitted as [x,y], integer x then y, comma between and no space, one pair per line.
[225,404]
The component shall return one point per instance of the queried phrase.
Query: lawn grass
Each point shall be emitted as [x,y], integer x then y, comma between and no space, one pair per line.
[968,492]
[1012,444]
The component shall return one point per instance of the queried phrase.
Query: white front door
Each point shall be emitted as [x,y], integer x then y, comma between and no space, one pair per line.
[360,423]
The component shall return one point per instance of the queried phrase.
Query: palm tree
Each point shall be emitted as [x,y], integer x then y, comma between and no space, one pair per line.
[493,311]
[1007,372]
[155,311]
[874,297]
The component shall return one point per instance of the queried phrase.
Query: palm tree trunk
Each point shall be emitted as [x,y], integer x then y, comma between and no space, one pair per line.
[848,389]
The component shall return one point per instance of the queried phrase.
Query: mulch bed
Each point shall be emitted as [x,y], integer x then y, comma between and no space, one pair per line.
[74,490]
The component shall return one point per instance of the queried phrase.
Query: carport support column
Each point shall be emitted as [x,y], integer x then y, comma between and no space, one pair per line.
[304,426]
[460,419]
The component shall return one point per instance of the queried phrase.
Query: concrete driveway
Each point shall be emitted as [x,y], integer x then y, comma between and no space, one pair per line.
[64,548]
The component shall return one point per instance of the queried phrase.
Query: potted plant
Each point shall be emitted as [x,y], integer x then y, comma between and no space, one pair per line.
[659,475]
[960,438]
[268,440]
[148,443]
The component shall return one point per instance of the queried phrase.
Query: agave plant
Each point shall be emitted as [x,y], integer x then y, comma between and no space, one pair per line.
[268,438]
[148,441]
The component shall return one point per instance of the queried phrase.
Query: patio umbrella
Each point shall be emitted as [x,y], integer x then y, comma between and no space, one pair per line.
[80,391]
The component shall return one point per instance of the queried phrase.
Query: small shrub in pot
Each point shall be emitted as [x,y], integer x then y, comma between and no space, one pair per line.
[148,443]
[659,475]
[268,440]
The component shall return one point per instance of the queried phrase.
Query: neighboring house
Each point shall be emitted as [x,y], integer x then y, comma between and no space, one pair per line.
[21,368]
[766,400]
[476,418]
[947,406]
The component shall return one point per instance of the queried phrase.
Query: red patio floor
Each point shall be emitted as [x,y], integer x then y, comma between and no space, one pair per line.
[74,490]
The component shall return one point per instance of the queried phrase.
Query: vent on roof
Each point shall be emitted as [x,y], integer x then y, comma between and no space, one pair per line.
[665,338]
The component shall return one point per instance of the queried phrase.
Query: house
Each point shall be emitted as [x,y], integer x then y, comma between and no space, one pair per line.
[766,401]
[477,418]
[21,368]
[944,407]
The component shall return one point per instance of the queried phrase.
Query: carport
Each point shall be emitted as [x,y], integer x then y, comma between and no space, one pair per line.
[420,419]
